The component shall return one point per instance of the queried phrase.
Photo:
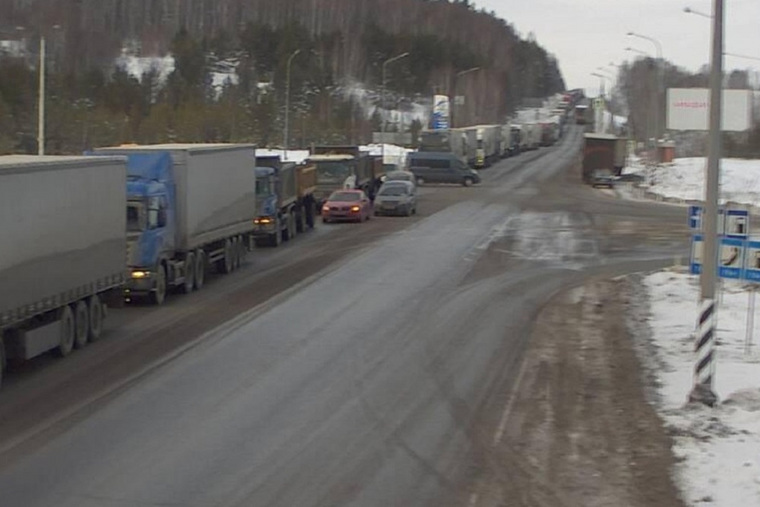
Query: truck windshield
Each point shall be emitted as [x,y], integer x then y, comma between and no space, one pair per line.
[263,187]
[135,216]
[332,172]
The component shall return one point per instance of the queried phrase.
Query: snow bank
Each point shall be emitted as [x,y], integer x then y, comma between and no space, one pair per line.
[297,156]
[684,179]
[718,449]
[393,154]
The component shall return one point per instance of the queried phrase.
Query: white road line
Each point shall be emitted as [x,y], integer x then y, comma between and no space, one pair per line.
[508,409]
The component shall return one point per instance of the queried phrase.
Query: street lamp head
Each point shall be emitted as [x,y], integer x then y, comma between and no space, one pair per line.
[462,73]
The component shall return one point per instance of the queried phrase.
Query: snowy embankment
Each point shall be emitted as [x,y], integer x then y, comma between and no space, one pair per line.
[392,154]
[718,449]
[684,179]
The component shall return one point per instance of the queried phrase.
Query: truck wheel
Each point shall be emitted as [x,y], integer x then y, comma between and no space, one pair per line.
[158,294]
[189,283]
[2,359]
[311,214]
[96,318]
[66,331]
[301,221]
[81,324]
[227,263]
[236,253]
[200,269]
[275,239]
[242,250]
[291,226]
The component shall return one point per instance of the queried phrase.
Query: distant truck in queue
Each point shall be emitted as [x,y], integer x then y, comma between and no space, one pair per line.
[62,254]
[488,145]
[189,207]
[602,153]
[285,199]
[344,167]
[461,142]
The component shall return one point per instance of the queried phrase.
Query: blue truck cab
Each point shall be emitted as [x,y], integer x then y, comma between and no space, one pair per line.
[150,218]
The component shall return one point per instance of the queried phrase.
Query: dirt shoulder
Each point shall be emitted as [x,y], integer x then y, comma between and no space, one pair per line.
[579,431]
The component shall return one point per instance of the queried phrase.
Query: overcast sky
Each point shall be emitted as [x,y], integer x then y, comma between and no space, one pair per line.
[586,34]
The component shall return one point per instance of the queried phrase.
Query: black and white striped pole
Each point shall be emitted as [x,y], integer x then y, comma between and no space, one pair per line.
[704,369]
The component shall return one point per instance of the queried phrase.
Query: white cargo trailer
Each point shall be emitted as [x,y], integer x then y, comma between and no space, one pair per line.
[62,251]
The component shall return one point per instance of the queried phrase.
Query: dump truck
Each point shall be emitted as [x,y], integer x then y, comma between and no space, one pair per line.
[285,199]
[62,254]
[190,207]
[603,152]
[340,167]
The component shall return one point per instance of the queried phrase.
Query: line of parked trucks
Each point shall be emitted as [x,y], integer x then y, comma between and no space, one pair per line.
[480,146]
[82,233]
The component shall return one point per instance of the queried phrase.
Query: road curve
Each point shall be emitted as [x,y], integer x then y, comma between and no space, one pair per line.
[375,383]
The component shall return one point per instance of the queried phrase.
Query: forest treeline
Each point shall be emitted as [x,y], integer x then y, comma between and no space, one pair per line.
[342,43]
[638,82]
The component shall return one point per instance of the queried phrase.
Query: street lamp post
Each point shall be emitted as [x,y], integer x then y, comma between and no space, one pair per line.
[601,82]
[599,112]
[41,92]
[634,50]
[660,79]
[456,82]
[689,10]
[41,101]
[287,102]
[648,110]
[385,99]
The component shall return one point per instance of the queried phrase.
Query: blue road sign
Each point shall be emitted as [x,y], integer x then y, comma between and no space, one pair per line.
[695,218]
[731,259]
[752,261]
[737,223]
[739,219]
[695,262]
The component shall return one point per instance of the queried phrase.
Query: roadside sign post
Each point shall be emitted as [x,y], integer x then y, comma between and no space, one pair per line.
[750,321]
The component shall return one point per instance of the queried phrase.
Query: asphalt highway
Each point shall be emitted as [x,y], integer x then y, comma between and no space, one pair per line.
[365,364]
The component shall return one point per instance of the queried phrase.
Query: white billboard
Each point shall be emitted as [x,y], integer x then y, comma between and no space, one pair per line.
[689,109]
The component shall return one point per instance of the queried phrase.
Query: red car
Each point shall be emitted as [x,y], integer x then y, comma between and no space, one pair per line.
[353,205]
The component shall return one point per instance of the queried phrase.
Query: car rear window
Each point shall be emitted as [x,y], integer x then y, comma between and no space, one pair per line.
[394,190]
[345,196]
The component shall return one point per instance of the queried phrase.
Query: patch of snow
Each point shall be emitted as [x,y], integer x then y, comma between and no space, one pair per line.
[684,179]
[138,65]
[393,154]
[297,156]
[718,448]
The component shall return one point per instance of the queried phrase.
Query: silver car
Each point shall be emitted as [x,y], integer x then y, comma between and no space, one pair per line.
[396,198]
[400,176]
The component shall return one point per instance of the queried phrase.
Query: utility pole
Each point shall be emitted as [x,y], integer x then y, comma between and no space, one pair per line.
[287,102]
[453,103]
[704,369]
[41,101]
[385,97]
